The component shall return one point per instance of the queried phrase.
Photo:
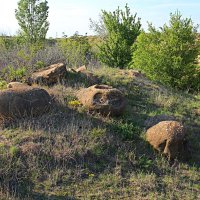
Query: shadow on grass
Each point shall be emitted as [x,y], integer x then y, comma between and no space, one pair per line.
[84,79]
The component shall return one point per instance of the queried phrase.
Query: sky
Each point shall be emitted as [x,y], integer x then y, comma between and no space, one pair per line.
[69,16]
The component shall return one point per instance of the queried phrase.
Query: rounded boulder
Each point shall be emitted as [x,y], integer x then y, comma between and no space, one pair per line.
[103,99]
[23,101]
[169,138]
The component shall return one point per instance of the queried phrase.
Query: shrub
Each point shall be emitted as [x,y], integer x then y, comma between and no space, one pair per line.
[47,56]
[76,50]
[6,42]
[121,31]
[3,84]
[21,59]
[11,74]
[168,54]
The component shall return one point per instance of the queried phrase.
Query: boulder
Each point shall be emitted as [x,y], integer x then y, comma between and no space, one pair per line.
[16,85]
[23,102]
[169,138]
[49,75]
[81,69]
[103,99]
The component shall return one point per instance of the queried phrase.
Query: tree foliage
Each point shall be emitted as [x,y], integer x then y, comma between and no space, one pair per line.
[168,54]
[32,18]
[121,31]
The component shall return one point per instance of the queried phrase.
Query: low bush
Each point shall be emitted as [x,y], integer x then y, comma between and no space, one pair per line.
[10,74]
[19,60]
[76,50]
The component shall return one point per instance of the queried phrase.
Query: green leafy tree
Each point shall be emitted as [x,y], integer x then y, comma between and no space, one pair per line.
[120,29]
[168,54]
[32,18]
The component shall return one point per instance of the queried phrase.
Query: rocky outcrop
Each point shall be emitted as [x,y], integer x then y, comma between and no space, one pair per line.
[48,76]
[169,138]
[103,99]
[23,101]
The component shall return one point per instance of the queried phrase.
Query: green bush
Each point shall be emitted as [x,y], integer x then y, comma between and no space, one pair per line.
[168,54]
[3,84]
[121,30]
[6,42]
[9,73]
[76,50]
[39,65]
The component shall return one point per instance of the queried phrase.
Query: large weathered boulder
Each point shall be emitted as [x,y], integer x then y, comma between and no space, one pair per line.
[23,102]
[103,99]
[169,138]
[49,75]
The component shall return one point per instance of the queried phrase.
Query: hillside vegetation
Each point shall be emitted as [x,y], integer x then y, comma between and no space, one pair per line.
[72,154]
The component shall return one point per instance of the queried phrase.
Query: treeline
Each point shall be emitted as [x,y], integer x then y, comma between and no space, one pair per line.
[167,54]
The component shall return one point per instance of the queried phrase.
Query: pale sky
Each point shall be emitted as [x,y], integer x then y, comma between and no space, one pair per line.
[70,16]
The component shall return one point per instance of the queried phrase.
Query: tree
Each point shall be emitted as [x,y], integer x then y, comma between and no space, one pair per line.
[120,30]
[98,27]
[32,18]
[168,54]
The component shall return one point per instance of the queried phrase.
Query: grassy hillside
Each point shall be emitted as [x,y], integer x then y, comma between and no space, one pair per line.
[72,154]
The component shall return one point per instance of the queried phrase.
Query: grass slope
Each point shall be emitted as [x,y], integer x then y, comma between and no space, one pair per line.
[72,154]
